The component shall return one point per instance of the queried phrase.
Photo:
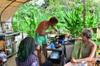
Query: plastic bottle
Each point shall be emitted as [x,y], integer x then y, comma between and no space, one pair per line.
[83,63]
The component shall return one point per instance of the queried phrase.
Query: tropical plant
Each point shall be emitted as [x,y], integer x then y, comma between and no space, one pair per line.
[73,20]
[29,16]
[91,17]
[27,19]
[69,14]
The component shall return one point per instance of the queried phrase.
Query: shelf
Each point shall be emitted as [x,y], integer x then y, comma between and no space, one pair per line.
[10,34]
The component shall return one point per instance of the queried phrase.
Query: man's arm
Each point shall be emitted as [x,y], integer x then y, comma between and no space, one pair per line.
[92,54]
[54,28]
[93,49]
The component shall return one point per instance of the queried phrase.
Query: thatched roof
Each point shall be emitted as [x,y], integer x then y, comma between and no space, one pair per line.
[8,8]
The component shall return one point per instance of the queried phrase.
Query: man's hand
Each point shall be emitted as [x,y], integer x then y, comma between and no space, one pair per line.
[54,28]
[90,59]
[74,60]
[38,47]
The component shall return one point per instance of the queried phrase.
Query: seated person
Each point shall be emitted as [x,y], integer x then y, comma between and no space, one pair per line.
[84,49]
[26,53]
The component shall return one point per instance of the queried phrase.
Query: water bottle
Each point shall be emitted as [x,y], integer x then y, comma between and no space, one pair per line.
[83,63]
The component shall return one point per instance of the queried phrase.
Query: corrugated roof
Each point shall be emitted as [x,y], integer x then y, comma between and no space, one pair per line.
[8,8]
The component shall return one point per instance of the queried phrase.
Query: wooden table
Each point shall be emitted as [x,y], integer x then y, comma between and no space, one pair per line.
[98,56]
[97,61]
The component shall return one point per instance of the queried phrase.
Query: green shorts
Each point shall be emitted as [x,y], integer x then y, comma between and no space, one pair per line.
[41,39]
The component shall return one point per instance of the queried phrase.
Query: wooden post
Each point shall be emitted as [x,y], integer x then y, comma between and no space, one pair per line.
[84,12]
[0,24]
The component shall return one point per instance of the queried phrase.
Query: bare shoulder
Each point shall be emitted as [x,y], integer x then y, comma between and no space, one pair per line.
[44,22]
[92,43]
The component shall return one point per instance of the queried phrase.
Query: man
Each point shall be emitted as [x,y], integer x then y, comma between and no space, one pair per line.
[41,34]
[84,50]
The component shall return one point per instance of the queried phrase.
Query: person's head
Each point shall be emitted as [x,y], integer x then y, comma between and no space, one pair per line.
[2,38]
[86,34]
[26,48]
[53,21]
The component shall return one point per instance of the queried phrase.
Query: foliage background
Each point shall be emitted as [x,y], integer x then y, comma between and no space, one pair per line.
[68,12]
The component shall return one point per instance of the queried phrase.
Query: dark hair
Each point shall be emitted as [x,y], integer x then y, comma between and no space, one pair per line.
[87,32]
[53,20]
[2,37]
[26,48]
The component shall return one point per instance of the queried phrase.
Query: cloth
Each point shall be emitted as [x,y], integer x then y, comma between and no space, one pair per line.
[81,50]
[32,60]
[51,46]
[3,57]
[40,39]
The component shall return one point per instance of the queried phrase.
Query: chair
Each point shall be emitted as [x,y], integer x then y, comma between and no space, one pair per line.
[68,51]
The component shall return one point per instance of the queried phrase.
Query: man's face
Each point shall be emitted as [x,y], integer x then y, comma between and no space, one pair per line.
[84,38]
[53,24]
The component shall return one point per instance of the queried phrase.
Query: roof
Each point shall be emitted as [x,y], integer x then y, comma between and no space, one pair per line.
[8,8]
